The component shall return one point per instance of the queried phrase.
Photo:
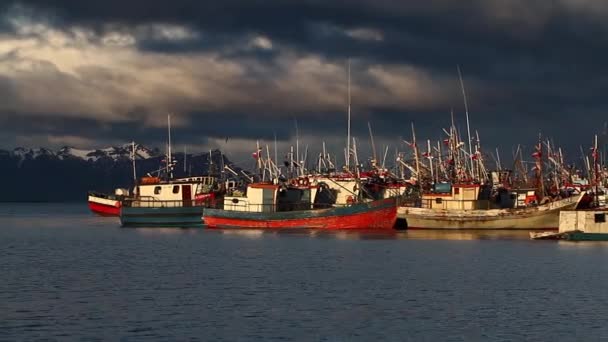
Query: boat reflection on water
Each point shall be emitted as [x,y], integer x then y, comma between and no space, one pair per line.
[246,233]
[473,234]
[577,245]
[164,231]
[425,234]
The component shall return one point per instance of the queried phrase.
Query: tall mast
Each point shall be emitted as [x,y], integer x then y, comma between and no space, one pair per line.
[498,160]
[466,111]
[211,170]
[596,172]
[429,155]
[276,159]
[297,147]
[416,157]
[133,161]
[324,157]
[169,156]
[291,161]
[384,158]
[259,160]
[348,131]
[356,157]
[304,160]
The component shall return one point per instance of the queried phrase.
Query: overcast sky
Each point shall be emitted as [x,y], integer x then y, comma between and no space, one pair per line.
[94,73]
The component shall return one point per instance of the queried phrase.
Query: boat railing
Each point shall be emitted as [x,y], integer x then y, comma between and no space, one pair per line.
[456,204]
[444,203]
[281,207]
[102,195]
[151,202]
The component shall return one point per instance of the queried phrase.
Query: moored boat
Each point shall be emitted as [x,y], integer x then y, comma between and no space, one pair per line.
[272,206]
[579,225]
[106,204]
[174,203]
[462,208]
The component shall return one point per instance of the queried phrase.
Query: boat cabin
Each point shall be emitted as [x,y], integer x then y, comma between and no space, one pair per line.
[269,197]
[178,192]
[454,196]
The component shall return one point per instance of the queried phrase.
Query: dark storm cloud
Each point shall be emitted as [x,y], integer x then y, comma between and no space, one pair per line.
[525,63]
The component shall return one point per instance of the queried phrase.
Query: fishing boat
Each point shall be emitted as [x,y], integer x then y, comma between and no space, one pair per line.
[465,206]
[587,222]
[109,204]
[106,204]
[578,225]
[305,206]
[160,200]
[171,203]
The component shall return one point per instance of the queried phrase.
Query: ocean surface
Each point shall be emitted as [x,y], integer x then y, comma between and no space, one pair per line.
[67,275]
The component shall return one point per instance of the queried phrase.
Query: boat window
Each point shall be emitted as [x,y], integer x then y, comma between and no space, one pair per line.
[438,200]
[599,218]
[176,189]
[157,190]
[456,191]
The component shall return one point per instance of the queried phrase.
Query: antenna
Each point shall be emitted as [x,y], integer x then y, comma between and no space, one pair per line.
[466,111]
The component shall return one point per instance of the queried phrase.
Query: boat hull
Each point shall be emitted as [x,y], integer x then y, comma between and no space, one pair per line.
[583,236]
[186,217]
[380,214]
[545,216]
[104,206]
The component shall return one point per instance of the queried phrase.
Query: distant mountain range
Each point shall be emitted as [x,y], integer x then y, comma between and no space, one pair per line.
[42,174]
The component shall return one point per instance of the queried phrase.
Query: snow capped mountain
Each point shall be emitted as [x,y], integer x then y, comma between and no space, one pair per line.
[67,152]
[32,153]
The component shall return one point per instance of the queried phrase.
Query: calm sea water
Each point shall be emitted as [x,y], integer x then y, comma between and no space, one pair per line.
[68,275]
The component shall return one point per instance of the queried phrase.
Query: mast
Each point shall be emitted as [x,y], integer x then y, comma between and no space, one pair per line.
[356,157]
[304,160]
[538,155]
[297,147]
[259,160]
[270,166]
[498,160]
[324,157]
[133,161]
[430,157]
[384,158]
[348,131]
[466,111]
[291,161]
[276,159]
[169,156]
[371,136]
[211,170]
[596,172]
[185,156]
[416,157]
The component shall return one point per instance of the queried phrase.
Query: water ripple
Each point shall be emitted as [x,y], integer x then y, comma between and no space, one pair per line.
[68,275]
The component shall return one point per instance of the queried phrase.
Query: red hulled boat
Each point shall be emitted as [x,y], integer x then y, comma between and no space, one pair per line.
[272,206]
[104,204]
